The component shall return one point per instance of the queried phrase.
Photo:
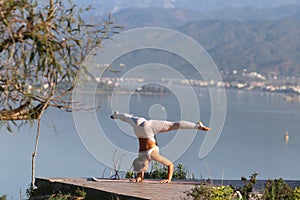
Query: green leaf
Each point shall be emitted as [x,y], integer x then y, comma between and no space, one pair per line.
[5,22]
[8,127]
[31,57]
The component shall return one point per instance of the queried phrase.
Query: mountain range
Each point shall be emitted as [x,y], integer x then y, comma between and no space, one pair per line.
[263,46]
[262,36]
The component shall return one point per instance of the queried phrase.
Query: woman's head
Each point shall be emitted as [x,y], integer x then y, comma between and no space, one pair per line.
[141,163]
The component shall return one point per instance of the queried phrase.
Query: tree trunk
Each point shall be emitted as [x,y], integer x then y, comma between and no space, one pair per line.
[39,116]
[34,152]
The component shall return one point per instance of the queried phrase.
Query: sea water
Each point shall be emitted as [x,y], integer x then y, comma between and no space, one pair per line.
[252,140]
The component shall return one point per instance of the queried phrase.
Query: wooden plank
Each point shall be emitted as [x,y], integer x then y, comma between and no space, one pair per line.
[123,189]
[148,189]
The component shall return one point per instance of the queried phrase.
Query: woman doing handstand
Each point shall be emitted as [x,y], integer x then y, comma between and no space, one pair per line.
[146,130]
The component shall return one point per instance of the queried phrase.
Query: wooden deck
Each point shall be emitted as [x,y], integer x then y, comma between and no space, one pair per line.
[119,189]
[124,189]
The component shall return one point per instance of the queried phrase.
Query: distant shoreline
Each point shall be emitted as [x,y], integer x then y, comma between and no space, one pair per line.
[288,96]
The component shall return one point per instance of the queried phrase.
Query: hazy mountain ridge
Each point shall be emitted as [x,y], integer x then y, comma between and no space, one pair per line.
[253,13]
[139,17]
[264,46]
[142,17]
[271,45]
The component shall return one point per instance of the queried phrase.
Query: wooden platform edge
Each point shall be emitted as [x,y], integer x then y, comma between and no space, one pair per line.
[123,189]
[91,193]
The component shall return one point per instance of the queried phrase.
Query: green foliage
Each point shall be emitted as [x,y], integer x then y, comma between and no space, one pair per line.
[51,194]
[157,171]
[247,189]
[180,172]
[41,51]
[296,193]
[160,172]
[129,174]
[205,191]
[3,197]
[221,193]
[199,192]
[277,189]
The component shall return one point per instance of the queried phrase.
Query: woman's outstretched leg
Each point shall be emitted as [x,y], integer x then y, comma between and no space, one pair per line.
[129,118]
[164,126]
[190,125]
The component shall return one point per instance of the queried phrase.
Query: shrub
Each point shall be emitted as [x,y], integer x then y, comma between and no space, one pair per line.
[199,192]
[221,193]
[157,171]
[247,189]
[276,190]
[296,193]
[129,174]
[180,172]
[205,191]
[3,197]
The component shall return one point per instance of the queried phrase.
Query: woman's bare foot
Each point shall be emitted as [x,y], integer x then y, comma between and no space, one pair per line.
[202,127]
[205,128]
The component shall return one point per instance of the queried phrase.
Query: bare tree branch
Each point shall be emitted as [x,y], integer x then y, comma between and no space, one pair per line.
[38,43]
[41,51]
